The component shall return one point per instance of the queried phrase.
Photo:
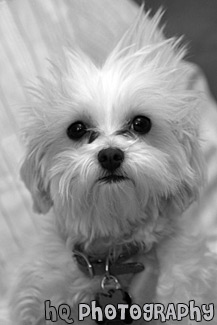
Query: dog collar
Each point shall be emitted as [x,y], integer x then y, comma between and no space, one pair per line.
[92,266]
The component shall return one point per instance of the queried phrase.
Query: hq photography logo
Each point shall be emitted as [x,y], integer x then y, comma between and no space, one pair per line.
[148,312]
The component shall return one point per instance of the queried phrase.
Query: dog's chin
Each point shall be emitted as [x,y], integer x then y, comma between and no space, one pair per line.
[96,205]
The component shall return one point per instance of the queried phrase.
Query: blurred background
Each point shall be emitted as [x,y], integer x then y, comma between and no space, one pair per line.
[32,31]
[196,20]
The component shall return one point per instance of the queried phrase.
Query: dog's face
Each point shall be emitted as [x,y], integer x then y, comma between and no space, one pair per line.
[114,148]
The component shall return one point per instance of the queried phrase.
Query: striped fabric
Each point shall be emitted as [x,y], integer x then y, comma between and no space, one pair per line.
[30,32]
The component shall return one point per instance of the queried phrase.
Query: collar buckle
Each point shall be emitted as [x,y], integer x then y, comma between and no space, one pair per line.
[92,267]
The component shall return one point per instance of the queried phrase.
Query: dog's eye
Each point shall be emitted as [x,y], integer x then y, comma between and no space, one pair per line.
[76,130]
[141,124]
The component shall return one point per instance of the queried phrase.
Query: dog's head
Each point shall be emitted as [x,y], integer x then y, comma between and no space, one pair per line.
[114,148]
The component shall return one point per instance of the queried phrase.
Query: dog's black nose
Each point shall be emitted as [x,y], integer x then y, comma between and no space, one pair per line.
[110,158]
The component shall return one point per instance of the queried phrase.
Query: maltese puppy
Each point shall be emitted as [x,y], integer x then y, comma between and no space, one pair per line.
[113,155]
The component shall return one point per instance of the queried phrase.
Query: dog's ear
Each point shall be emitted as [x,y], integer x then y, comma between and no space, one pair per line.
[191,188]
[31,175]
[190,140]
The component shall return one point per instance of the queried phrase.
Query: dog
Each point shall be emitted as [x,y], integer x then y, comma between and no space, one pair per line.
[114,162]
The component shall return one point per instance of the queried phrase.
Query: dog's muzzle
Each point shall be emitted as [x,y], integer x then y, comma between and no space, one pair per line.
[110,159]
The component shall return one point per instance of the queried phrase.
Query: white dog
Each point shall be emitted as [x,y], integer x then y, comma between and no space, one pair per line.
[113,154]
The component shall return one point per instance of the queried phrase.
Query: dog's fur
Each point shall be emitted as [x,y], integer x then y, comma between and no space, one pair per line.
[145,75]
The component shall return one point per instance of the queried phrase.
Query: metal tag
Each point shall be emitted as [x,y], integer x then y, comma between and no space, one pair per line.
[114,297]
[112,294]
